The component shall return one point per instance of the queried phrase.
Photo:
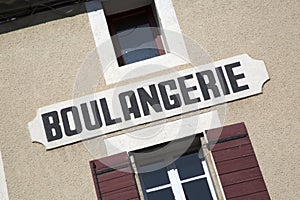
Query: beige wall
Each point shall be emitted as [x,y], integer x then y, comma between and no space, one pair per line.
[39,66]
[269,31]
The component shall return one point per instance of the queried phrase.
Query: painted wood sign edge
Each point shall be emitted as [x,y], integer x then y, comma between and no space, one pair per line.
[149,100]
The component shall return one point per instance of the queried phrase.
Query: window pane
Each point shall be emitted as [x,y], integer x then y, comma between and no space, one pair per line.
[197,189]
[155,178]
[189,166]
[136,38]
[165,194]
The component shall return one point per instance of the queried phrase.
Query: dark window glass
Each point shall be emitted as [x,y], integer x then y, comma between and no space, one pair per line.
[135,35]
[189,166]
[155,178]
[197,189]
[136,39]
[165,194]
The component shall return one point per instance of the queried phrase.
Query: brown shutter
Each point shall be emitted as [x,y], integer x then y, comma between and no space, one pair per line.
[114,178]
[236,163]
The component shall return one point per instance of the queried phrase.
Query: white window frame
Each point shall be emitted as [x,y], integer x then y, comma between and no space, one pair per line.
[176,182]
[171,36]
[3,185]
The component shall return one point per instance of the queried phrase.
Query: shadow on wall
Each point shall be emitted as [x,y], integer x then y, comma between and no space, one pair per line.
[18,14]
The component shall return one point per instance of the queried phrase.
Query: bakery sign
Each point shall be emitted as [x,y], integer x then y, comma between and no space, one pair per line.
[149,100]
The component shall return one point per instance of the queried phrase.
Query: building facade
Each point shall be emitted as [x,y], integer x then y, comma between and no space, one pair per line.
[143,99]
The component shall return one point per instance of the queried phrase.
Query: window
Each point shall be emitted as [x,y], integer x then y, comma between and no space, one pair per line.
[135,35]
[177,170]
[172,176]
[186,178]
[165,47]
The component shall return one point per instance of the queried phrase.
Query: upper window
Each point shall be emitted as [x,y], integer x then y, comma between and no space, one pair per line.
[135,35]
[144,35]
[170,176]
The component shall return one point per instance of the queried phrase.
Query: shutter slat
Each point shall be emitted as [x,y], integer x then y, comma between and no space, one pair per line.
[226,131]
[234,152]
[130,194]
[114,174]
[240,176]
[230,144]
[116,183]
[245,188]
[236,163]
[111,161]
[264,195]
[114,178]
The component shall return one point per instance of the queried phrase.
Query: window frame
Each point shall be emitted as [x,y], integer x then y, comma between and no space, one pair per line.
[173,41]
[175,185]
[175,182]
[149,12]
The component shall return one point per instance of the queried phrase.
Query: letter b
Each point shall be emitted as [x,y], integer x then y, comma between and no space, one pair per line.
[52,128]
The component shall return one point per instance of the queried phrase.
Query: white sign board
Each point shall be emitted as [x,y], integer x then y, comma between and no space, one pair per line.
[149,100]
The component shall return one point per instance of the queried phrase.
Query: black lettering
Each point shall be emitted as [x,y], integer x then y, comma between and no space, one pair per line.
[107,117]
[52,129]
[134,109]
[185,90]
[64,115]
[87,118]
[233,78]
[152,100]
[211,85]
[168,98]
[222,80]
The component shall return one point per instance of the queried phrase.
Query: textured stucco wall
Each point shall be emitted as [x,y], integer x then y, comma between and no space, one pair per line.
[39,66]
[268,31]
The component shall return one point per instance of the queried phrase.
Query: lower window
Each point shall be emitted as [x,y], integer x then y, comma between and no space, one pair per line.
[174,176]
[177,170]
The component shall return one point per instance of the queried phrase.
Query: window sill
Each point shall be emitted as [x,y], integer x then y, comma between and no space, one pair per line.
[117,74]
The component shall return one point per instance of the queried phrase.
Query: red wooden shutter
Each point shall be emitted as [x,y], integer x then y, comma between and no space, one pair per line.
[114,178]
[236,163]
